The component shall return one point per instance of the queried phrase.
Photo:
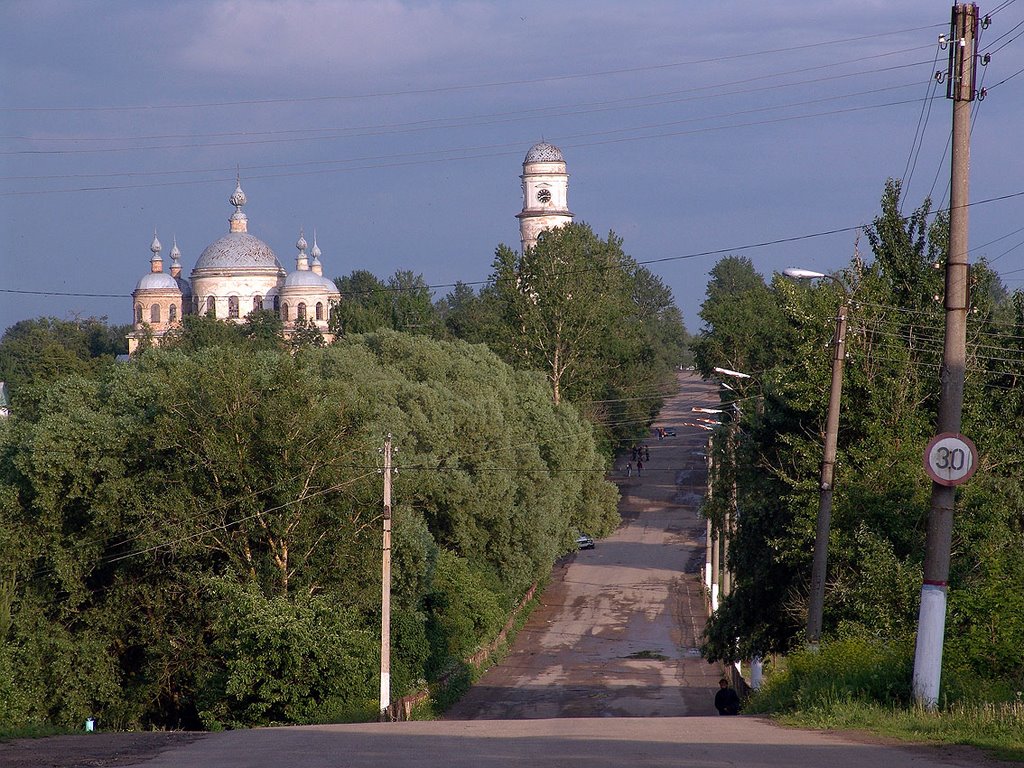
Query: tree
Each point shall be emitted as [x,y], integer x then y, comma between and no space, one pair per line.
[195,535]
[40,351]
[743,326]
[560,300]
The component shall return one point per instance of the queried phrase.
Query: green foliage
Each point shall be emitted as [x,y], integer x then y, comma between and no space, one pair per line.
[881,496]
[194,539]
[744,326]
[604,331]
[859,683]
[403,303]
[36,353]
[288,660]
[852,668]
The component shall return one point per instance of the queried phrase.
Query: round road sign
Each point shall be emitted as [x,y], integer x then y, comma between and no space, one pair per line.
[950,458]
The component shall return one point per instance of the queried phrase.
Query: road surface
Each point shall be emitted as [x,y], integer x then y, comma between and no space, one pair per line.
[618,630]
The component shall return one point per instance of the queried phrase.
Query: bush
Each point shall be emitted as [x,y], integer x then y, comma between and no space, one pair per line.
[849,669]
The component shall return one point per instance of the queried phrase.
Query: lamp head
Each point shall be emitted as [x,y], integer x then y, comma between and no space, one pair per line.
[802,274]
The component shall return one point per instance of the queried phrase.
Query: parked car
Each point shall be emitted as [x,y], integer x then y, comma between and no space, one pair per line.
[584,542]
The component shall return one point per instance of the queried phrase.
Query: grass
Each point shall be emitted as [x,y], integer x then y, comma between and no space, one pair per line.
[997,728]
[35,731]
[864,685]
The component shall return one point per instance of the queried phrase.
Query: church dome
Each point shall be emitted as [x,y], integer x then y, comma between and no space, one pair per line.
[304,279]
[238,250]
[158,281]
[542,152]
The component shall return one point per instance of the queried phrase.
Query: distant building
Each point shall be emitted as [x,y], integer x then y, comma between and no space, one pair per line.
[235,275]
[545,193]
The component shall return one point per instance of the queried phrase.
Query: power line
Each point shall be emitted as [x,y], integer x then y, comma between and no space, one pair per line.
[467,86]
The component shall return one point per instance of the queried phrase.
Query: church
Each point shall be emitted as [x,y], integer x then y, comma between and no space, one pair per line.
[239,273]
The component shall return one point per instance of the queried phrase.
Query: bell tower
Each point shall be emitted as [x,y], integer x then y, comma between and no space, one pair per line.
[545,193]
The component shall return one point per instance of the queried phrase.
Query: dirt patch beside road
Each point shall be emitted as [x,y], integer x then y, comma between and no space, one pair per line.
[91,750]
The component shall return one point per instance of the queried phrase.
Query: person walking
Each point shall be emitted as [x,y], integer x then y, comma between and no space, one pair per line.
[629,469]
[647,453]
[639,468]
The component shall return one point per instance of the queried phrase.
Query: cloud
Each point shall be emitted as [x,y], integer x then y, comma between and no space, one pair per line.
[279,41]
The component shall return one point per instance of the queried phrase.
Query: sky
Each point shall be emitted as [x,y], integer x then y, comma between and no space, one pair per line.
[396,131]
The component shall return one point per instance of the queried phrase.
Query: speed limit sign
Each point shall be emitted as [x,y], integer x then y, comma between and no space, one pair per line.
[950,458]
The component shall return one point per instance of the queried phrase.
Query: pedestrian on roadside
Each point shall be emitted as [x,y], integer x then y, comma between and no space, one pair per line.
[647,453]
[634,453]
[639,468]
[727,701]
[629,469]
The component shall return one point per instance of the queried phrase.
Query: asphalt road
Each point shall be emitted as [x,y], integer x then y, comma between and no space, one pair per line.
[618,630]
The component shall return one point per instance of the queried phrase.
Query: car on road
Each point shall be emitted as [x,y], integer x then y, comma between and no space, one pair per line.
[670,431]
[584,542]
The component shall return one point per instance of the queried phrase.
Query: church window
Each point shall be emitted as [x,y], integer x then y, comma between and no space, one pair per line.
[172,313]
[138,313]
[154,313]
[319,310]
[284,312]
[233,306]
[257,303]
[277,304]
[300,311]
[211,306]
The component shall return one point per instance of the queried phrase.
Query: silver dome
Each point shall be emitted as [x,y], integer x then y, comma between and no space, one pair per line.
[304,278]
[158,281]
[238,250]
[542,152]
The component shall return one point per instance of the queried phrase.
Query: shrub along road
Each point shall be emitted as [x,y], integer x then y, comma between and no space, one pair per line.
[603,674]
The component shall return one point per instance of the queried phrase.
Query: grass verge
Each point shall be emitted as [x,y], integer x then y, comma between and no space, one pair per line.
[865,685]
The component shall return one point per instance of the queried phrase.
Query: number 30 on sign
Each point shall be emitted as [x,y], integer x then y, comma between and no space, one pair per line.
[950,459]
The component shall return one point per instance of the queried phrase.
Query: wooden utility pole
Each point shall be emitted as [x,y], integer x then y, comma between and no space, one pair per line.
[385,592]
[932,617]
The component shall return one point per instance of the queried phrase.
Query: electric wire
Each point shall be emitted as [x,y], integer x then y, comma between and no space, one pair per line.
[469,86]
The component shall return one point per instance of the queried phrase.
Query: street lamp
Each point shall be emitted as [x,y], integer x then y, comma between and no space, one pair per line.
[816,599]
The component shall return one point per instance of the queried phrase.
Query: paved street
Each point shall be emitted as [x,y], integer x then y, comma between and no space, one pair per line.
[619,627]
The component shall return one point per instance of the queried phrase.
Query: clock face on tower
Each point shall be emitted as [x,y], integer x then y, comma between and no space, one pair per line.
[544,196]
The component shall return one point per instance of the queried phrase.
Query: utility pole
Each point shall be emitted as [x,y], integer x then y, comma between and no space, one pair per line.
[385,592]
[819,565]
[931,624]
[715,527]
[710,539]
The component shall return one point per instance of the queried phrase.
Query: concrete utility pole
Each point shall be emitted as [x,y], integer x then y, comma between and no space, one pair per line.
[819,566]
[385,592]
[931,624]
[710,539]
[715,527]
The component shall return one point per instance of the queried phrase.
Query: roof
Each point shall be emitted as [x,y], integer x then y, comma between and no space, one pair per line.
[238,250]
[542,152]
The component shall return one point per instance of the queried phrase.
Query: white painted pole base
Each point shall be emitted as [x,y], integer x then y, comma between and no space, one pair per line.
[714,597]
[385,691]
[756,672]
[931,628]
